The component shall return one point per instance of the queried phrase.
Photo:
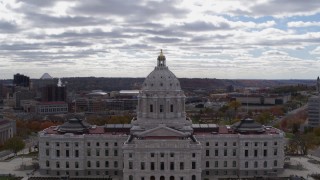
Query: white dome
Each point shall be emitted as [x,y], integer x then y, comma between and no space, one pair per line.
[161,79]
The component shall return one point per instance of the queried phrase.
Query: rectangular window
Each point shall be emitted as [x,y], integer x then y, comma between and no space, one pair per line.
[106,152]
[47,143]
[98,164]
[246,144]
[275,143]
[115,164]
[161,165]
[151,108]
[88,144]
[152,154]
[181,166]
[207,143]
[234,143]
[246,164]
[57,144]
[97,144]
[225,163]
[193,165]
[207,152]
[234,152]
[193,155]
[76,144]
[76,165]
[67,144]
[58,153]
[106,144]
[106,164]
[216,164]
[216,144]
[246,153]
[142,165]
[115,152]
[130,155]
[152,166]
[115,144]
[265,153]
[171,154]
[216,152]
[97,152]
[88,152]
[255,144]
[76,153]
[161,108]
[225,152]
[234,163]
[67,153]
[275,152]
[171,108]
[47,152]
[162,154]
[256,153]
[265,144]
[130,165]
[207,164]
[225,143]
[172,166]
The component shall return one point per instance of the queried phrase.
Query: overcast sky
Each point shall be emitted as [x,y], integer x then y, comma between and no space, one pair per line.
[229,39]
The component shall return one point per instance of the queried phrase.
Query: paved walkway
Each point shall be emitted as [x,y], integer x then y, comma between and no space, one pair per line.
[307,168]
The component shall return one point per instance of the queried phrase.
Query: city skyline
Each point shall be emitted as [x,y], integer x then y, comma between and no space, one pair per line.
[227,40]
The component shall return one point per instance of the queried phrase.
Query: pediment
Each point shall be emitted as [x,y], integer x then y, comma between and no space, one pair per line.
[163,131]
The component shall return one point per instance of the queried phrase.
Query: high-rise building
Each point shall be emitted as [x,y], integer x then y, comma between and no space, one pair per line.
[21,80]
[314,107]
[161,143]
[51,93]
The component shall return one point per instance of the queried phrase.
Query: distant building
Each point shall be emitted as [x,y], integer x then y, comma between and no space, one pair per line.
[314,111]
[22,95]
[57,107]
[51,93]
[7,129]
[260,99]
[21,80]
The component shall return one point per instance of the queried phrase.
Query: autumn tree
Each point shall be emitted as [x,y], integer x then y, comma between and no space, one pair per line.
[15,144]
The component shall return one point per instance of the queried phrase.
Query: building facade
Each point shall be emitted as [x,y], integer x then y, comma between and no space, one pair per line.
[7,129]
[161,143]
[314,111]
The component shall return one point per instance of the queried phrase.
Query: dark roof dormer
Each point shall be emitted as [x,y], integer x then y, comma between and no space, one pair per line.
[74,125]
[248,126]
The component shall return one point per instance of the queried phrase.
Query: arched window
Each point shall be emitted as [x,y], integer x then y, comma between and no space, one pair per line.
[265,164]
[130,177]
[193,177]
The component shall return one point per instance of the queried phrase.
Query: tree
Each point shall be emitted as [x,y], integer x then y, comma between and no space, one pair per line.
[14,144]
[235,105]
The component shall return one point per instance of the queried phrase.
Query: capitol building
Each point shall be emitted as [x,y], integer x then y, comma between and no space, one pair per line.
[161,143]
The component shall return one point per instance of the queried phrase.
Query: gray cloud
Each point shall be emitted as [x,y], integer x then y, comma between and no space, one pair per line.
[8,27]
[44,20]
[204,26]
[133,10]
[164,40]
[284,7]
